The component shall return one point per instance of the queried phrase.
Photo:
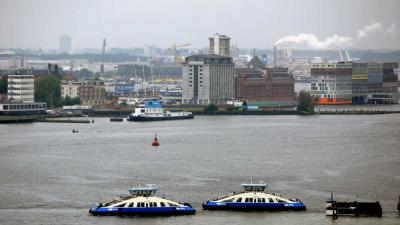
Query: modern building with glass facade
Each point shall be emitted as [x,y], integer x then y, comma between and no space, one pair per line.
[331,83]
[354,83]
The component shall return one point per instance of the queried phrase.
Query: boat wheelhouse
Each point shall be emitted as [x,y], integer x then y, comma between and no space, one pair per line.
[142,202]
[152,110]
[254,198]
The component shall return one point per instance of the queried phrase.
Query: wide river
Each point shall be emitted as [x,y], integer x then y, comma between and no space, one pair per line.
[48,175]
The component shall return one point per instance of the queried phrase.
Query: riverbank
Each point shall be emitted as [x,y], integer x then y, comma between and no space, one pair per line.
[319,110]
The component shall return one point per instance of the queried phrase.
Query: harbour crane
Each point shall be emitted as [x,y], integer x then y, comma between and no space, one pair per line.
[174,51]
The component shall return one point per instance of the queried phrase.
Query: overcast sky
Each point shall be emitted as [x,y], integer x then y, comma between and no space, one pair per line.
[250,23]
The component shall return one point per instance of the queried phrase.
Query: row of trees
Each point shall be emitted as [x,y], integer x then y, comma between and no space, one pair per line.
[48,89]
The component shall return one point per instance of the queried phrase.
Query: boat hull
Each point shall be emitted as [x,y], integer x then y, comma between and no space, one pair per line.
[355,208]
[149,118]
[116,119]
[254,206]
[156,211]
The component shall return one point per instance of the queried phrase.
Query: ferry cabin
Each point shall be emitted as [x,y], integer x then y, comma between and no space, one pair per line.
[153,108]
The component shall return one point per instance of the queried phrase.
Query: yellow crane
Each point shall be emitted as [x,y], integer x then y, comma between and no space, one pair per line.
[174,51]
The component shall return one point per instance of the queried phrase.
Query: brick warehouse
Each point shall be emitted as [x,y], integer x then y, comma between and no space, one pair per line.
[274,84]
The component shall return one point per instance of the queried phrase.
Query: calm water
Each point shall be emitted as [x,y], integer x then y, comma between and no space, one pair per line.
[48,175]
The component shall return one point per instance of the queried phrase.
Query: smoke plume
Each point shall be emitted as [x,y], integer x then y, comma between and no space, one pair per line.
[372,36]
[312,41]
[367,30]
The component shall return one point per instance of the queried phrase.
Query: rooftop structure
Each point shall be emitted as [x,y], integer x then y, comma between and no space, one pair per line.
[219,45]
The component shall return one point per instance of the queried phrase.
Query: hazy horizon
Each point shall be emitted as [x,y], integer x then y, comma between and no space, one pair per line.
[310,24]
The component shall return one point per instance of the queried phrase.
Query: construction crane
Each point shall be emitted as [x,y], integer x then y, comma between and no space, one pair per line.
[174,51]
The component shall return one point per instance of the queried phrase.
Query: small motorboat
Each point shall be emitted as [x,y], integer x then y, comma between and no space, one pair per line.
[75,131]
[155,142]
[253,198]
[142,202]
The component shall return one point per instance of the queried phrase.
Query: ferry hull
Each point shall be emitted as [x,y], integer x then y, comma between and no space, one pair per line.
[145,119]
[157,211]
[254,206]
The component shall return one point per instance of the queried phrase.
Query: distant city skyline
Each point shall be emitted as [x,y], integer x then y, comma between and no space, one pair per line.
[368,24]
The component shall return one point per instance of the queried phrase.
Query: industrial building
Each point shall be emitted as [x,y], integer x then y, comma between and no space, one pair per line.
[208,79]
[266,84]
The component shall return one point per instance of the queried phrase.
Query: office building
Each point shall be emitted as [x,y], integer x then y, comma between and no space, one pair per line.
[354,83]
[208,79]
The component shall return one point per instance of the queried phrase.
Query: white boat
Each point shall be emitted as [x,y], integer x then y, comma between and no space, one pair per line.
[151,110]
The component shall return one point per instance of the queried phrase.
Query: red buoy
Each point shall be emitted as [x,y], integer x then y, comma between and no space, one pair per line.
[155,141]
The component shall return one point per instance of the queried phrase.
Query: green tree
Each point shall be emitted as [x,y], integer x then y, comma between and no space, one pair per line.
[305,102]
[211,108]
[76,101]
[71,101]
[3,84]
[48,89]
[231,108]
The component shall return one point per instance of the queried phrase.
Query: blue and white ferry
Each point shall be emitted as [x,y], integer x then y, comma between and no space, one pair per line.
[142,202]
[151,110]
[254,198]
